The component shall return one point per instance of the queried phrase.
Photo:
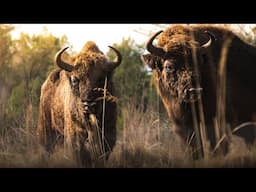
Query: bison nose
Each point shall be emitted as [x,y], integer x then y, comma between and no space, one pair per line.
[85,100]
[193,94]
[195,90]
[88,103]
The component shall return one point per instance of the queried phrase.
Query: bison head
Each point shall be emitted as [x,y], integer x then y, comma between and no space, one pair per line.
[88,72]
[174,73]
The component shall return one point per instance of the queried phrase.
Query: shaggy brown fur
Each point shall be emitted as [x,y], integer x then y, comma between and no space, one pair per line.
[70,97]
[174,75]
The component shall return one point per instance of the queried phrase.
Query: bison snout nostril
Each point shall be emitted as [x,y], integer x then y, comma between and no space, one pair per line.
[85,103]
[192,94]
[88,106]
[89,103]
[87,100]
[195,90]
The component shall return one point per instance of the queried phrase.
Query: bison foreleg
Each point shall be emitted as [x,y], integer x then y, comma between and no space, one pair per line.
[47,136]
[80,151]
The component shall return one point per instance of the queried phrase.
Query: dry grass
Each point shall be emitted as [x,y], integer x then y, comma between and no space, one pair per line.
[145,141]
[140,145]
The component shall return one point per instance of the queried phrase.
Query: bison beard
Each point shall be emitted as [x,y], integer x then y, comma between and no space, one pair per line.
[187,64]
[71,106]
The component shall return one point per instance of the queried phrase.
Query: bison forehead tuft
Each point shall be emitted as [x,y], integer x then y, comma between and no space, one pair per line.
[90,46]
[90,56]
[175,39]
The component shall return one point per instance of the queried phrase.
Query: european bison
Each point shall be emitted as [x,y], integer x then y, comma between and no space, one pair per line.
[72,105]
[209,65]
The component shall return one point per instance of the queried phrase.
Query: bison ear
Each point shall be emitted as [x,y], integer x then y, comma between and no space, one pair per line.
[150,60]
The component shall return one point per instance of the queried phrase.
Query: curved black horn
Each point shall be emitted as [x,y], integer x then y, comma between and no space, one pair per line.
[62,64]
[119,58]
[152,49]
[209,42]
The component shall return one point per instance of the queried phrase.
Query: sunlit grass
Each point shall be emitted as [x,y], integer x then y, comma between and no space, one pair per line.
[145,141]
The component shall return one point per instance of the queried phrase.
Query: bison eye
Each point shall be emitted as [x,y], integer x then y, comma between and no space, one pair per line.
[74,81]
[169,68]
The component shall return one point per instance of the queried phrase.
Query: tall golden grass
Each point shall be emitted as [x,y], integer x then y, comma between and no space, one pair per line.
[138,145]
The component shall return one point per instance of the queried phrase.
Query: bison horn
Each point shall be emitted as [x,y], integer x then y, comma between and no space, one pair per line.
[209,42]
[62,64]
[152,49]
[119,58]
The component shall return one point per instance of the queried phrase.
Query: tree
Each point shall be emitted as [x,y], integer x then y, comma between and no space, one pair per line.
[131,77]
[133,81]
[32,60]
[5,50]
[5,66]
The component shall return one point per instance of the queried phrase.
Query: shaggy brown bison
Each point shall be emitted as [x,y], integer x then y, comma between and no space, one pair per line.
[77,105]
[205,75]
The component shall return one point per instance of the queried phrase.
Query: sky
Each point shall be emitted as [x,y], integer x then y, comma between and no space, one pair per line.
[78,34]
[102,34]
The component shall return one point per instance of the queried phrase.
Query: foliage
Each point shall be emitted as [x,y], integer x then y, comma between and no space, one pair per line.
[133,80]
[15,104]
[29,62]
[130,77]
[6,80]
[5,51]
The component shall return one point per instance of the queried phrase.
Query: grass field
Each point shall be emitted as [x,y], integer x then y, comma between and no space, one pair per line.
[144,141]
